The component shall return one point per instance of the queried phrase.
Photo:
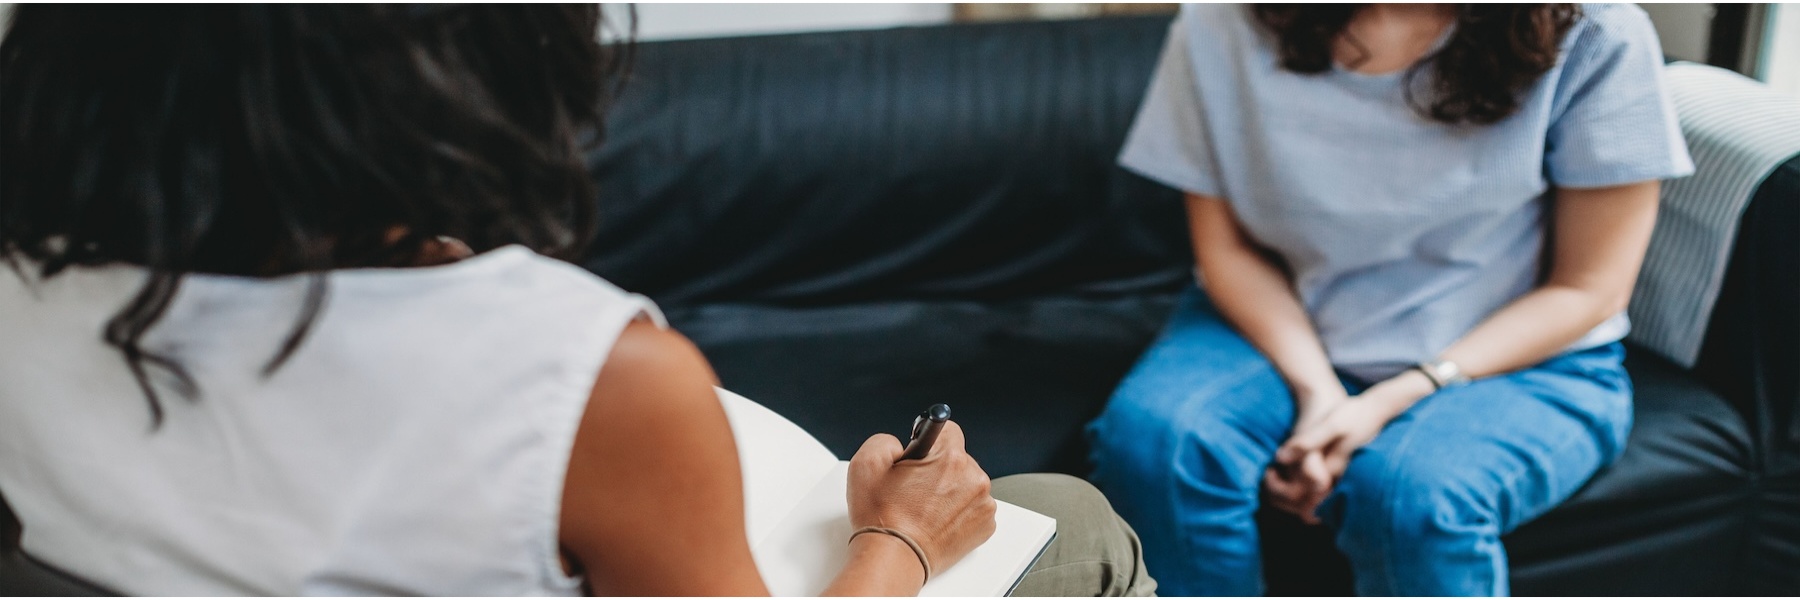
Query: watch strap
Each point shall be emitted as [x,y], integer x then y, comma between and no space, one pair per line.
[1441,373]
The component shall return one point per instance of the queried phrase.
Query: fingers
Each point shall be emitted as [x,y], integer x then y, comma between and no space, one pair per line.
[1301,491]
[1314,473]
[1337,461]
[1303,442]
[1320,480]
[1280,492]
[1283,494]
[951,438]
[1331,465]
[880,448]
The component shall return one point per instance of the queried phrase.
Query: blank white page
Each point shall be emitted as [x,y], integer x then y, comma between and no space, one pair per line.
[798,517]
[781,462]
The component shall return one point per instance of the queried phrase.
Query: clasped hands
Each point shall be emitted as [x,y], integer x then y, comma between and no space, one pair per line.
[1328,430]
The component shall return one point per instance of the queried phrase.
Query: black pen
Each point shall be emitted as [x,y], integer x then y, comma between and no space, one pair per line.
[925,432]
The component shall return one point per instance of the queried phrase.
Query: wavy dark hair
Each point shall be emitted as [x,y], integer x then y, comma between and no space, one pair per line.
[269,140]
[1495,52]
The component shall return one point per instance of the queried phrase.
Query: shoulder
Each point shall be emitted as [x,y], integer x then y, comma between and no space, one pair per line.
[654,392]
[1213,13]
[1618,19]
[1612,47]
[520,283]
[1607,29]
[1214,23]
[656,381]
[649,358]
[1211,41]
[522,268]
[653,480]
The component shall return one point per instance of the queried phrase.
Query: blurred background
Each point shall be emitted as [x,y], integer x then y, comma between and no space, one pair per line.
[1759,40]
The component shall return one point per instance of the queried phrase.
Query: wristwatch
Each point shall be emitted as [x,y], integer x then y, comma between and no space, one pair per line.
[1442,373]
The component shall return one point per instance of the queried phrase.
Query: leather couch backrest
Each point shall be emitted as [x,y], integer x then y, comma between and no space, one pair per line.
[961,161]
[976,162]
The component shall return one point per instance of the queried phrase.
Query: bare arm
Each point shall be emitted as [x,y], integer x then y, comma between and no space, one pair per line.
[653,501]
[1598,239]
[1597,242]
[1255,295]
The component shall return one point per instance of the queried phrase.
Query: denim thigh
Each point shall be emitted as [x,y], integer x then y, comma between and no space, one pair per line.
[1420,510]
[1181,447]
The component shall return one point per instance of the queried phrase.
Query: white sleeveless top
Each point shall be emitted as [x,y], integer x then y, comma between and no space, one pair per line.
[416,443]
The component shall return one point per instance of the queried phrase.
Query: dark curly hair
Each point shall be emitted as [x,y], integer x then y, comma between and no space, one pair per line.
[1494,53]
[268,140]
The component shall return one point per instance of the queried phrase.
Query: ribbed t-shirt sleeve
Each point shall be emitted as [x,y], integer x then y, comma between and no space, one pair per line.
[1168,140]
[1615,123]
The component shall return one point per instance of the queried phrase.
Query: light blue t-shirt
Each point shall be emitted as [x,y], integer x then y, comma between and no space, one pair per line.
[1401,233]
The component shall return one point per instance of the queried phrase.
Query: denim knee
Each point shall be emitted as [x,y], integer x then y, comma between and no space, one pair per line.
[1396,517]
[1189,444]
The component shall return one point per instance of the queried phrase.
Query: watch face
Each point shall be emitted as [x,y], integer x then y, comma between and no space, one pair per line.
[1442,373]
[1449,373]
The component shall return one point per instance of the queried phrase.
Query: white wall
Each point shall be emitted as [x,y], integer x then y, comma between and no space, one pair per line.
[678,21]
[1781,57]
[1684,29]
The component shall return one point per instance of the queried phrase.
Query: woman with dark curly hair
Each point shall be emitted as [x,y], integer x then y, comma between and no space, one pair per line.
[282,317]
[1417,228]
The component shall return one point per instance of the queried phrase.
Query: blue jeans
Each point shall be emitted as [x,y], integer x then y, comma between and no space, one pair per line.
[1182,446]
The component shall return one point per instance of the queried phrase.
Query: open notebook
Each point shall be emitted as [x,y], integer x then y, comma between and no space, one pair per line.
[799,520]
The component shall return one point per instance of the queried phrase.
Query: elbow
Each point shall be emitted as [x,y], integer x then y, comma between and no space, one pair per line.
[1596,303]
[1599,298]
[1613,306]
[1605,303]
[1616,303]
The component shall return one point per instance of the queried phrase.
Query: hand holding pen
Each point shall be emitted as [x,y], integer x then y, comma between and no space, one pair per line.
[937,504]
[925,430]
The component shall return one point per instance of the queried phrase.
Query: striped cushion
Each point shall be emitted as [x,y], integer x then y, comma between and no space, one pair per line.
[1738,131]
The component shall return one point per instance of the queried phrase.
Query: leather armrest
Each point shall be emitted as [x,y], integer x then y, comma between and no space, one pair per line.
[1752,347]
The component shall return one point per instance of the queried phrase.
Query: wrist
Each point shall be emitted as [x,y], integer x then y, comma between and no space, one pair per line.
[895,555]
[1400,392]
[1316,384]
[1441,373]
[1317,393]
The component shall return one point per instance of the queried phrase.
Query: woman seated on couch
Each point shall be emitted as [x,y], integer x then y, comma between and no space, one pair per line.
[1418,227]
[281,322]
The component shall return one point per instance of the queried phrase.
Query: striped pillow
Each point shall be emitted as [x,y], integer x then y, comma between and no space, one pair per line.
[1738,131]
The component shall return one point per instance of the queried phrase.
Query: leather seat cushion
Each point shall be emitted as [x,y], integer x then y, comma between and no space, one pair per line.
[1024,377]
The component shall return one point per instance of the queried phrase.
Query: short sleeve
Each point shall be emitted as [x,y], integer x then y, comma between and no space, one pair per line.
[1168,140]
[1614,123]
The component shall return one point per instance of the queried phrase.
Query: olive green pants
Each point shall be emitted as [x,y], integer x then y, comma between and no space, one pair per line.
[1094,554]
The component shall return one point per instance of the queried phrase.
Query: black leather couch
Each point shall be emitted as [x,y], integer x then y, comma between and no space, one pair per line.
[854,225]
